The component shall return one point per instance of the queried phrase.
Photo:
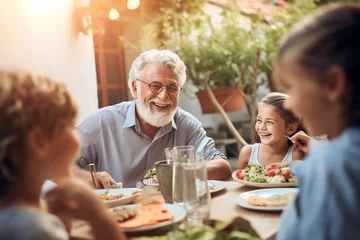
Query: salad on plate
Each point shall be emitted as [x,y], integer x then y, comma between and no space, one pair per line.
[258,175]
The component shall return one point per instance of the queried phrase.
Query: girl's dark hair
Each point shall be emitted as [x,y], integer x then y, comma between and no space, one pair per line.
[277,100]
[328,37]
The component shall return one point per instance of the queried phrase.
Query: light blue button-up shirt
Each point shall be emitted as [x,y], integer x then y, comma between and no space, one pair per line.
[328,203]
[113,140]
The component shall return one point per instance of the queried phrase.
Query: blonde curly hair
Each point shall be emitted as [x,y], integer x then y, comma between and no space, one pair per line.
[28,101]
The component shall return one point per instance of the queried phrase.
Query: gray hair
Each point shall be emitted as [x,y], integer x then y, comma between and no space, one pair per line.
[164,57]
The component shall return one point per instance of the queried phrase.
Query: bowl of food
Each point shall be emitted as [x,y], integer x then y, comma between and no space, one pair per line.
[150,179]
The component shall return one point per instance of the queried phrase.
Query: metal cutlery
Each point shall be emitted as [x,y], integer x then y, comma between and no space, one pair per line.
[107,191]
[288,138]
[93,173]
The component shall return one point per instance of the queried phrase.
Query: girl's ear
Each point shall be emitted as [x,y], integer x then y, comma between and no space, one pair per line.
[37,142]
[134,88]
[335,86]
[291,128]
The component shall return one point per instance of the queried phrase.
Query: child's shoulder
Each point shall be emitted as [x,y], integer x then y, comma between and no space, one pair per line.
[246,150]
[244,156]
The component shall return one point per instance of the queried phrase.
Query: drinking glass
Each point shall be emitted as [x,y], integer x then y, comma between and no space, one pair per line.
[181,155]
[196,195]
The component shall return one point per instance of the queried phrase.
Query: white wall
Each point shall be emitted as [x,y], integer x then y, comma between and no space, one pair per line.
[40,36]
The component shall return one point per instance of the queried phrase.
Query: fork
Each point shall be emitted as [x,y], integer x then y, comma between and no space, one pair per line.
[211,183]
[288,138]
[107,191]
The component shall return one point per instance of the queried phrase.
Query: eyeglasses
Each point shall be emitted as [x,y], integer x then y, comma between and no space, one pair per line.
[157,87]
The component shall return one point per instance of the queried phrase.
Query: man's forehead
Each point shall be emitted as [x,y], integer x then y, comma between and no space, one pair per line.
[158,71]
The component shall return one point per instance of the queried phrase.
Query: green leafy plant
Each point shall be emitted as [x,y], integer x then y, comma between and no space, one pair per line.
[236,54]
[236,229]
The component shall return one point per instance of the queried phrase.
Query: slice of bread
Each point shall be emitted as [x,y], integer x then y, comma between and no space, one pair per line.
[278,200]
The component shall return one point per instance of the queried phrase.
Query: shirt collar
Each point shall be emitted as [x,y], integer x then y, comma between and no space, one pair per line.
[173,124]
[131,118]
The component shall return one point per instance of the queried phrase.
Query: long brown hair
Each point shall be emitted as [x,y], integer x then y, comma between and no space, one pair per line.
[277,100]
[328,37]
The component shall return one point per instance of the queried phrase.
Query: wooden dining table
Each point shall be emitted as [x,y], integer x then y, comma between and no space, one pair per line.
[223,208]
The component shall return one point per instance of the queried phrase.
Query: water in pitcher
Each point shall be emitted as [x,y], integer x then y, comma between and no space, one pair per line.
[184,186]
[181,155]
[196,196]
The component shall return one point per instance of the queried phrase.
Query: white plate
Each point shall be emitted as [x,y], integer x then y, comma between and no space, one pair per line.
[241,199]
[178,212]
[129,198]
[220,185]
[263,185]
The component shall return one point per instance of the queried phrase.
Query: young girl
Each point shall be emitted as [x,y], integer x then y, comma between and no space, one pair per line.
[318,66]
[273,125]
[38,142]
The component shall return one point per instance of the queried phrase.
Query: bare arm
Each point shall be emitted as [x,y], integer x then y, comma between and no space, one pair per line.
[244,156]
[73,199]
[219,169]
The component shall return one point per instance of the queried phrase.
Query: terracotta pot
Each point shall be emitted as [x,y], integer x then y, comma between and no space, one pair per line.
[229,97]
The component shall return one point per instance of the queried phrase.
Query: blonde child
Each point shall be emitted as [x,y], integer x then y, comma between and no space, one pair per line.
[273,125]
[38,142]
[318,66]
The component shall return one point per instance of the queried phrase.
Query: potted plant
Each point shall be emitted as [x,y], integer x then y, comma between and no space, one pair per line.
[229,59]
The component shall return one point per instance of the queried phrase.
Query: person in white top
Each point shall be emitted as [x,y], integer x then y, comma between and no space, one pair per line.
[274,125]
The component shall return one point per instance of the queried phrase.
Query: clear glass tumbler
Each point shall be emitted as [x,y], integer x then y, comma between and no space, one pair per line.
[181,155]
[196,195]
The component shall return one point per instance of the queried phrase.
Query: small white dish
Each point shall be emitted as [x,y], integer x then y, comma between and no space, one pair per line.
[218,186]
[241,199]
[178,212]
[128,198]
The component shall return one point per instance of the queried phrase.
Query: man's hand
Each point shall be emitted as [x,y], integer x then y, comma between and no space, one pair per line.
[302,141]
[218,169]
[103,179]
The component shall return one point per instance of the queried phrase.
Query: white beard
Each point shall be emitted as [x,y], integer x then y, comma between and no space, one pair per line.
[156,119]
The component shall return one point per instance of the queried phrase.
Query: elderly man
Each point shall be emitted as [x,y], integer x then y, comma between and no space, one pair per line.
[126,139]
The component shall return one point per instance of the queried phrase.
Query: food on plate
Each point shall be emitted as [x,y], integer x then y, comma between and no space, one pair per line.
[265,174]
[123,214]
[277,200]
[151,177]
[109,197]
[137,191]
[147,214]
[213,188]
[150,173]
